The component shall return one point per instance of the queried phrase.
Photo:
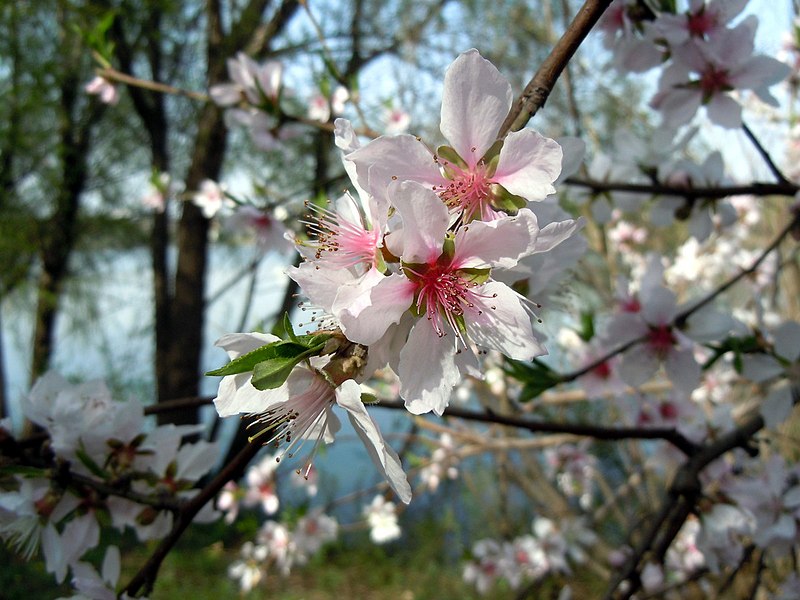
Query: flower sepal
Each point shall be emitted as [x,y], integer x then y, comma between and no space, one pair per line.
[448,156]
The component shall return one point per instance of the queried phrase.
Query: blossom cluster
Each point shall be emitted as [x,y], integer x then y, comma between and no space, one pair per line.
[278,547]
[711,55]
[410,272]
[550,549]
[102,464]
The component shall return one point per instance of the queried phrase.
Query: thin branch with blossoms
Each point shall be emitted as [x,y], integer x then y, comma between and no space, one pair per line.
[668,434]
[680,500]
[146,576]
[680,318]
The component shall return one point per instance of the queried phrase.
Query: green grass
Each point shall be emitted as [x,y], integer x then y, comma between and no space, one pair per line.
[421,566]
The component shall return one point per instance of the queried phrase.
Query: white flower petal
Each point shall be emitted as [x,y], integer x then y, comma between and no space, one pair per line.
[638,366]
[777,407]
[236,344]
[368,309]
[760,367]
[427,370]
[320,284]
[529,164]
[348,396]
[552,234]
[388,159]
[682,370]
[499,243]
[425,221]
[787,340]
[503,324]
[475,102]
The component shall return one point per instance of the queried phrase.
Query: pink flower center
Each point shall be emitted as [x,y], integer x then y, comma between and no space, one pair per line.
[445,295]
[340,242]
[468,191]
[661,340]
[262,221]
[714,80]
[603,370]
[668,410]
[631,305]
[701,23]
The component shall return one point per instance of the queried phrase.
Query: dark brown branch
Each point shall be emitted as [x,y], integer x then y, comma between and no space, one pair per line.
[593,431]
[538,89]
[753,189]
[764,154]
[680,501]
[146,576]
[106,489]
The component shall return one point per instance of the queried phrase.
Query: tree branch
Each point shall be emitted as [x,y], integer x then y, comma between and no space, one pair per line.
[538,89]
[754,189]
[145,578]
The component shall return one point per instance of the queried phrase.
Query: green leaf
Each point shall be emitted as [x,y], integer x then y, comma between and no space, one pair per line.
[23,470]
[89,463]
[536,377]
[271,373]
[368,398]
[246,362]
[281,350]
[533,389]
[586,332]
[287,327]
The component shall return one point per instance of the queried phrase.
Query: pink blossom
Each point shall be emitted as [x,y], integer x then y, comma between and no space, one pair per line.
[467,177]
[252,82]
[705,73]
[211,198]
[451,289]
[396,121]
[100,86]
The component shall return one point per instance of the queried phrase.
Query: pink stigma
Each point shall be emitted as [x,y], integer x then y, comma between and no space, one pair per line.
[445,296]
[603,370]
[661,340]
[714,80]
[701,23]
[468,191]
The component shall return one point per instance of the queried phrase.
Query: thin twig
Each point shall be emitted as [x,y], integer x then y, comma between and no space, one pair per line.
[764,154]
[163,88]
[538,89]
[601,433]
[681,318]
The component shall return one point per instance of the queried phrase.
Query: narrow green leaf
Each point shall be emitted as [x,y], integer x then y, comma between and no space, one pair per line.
[287,327]
[23,470]
[89,463]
